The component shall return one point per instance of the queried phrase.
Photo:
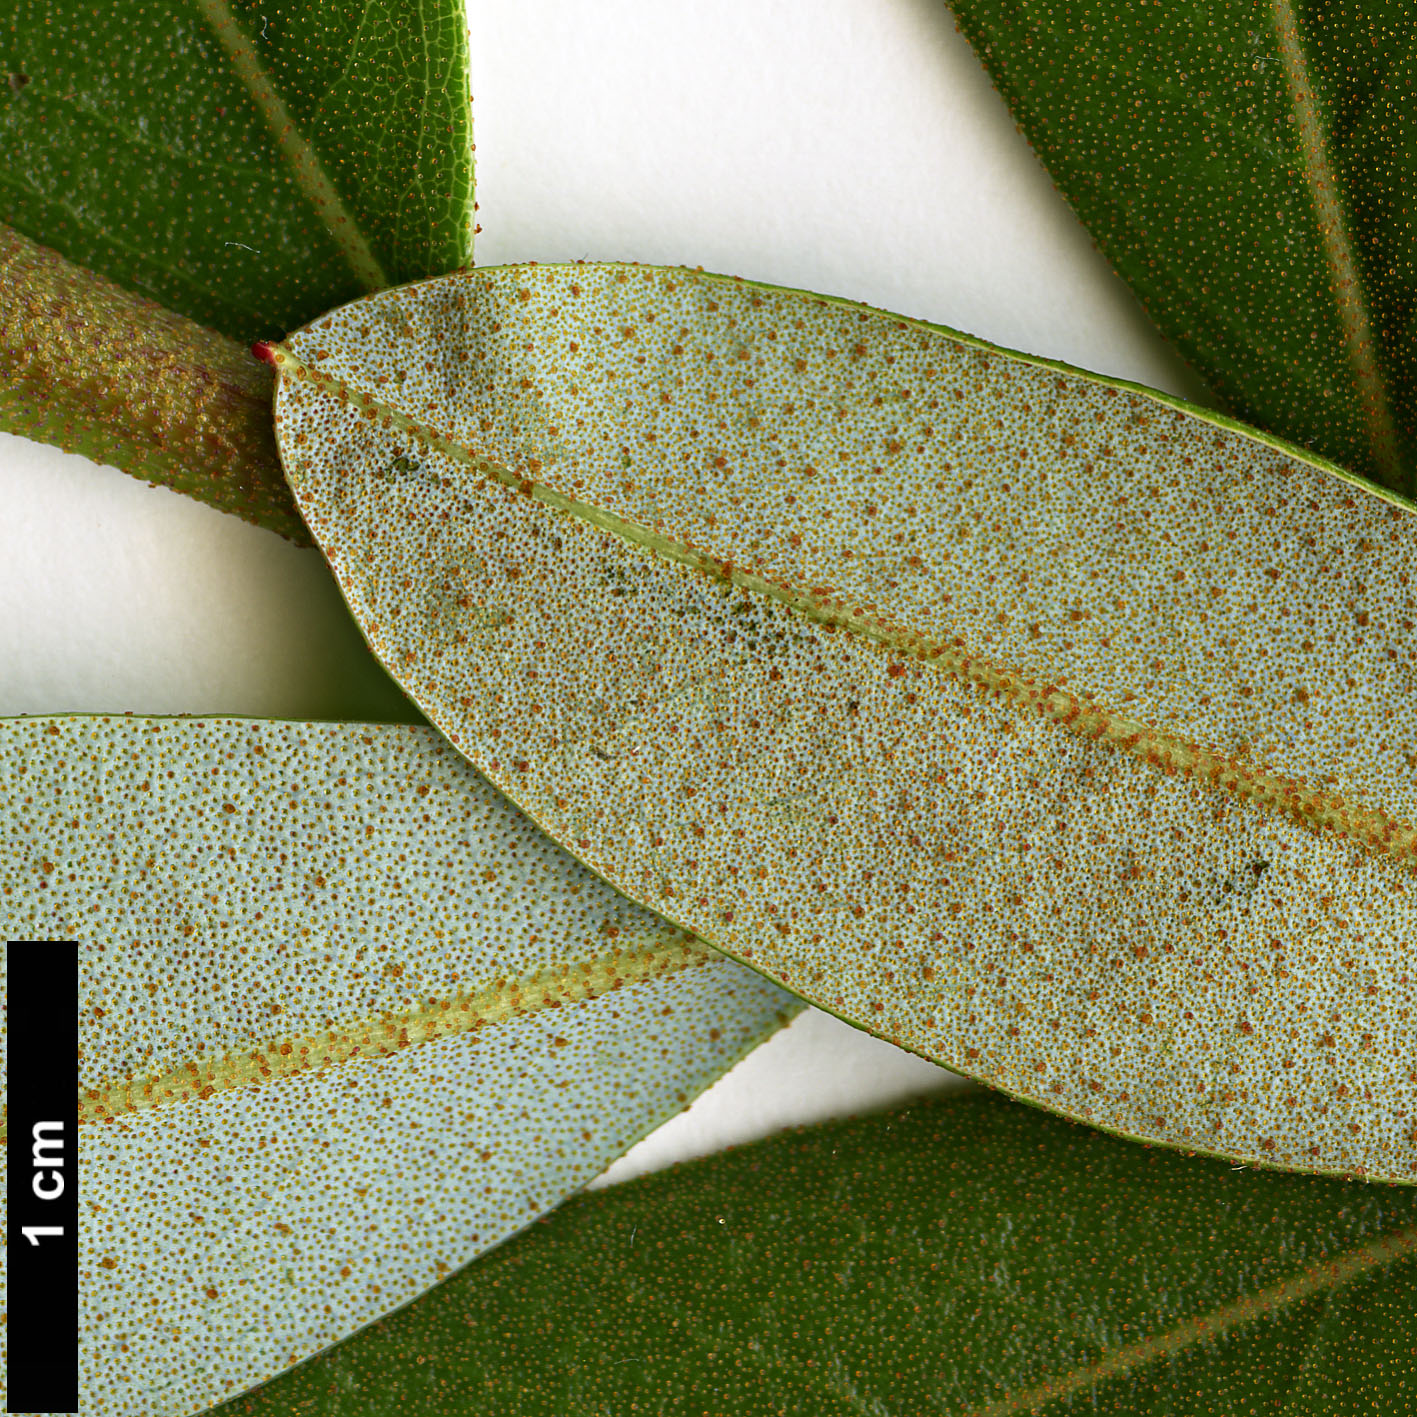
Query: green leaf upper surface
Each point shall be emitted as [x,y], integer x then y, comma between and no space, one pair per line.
[1251,171]
[347,1019]
[967,1258]
[246,163]
[1040,724]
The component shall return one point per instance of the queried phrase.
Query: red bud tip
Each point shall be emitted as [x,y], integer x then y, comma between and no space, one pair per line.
[264,352]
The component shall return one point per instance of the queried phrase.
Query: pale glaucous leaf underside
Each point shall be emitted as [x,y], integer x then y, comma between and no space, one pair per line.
[1047,727]
[347,1019]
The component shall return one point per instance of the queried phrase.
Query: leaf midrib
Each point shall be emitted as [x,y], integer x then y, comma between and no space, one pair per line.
[299,155]
[1345,280]
[1321,1278]
[1320,810]
[552,986]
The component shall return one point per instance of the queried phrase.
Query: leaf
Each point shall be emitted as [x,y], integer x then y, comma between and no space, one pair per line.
[100,371]
[1045,726]
[262,160]
[1247,170]
[346,1020]
[962,1257]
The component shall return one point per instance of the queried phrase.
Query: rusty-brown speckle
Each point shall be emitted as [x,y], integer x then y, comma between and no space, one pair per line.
[346,1020]
[1102,712]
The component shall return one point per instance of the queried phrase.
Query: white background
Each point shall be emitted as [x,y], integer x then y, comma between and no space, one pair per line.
[851,147]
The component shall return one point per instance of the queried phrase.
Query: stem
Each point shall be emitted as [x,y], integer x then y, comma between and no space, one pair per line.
[97,370]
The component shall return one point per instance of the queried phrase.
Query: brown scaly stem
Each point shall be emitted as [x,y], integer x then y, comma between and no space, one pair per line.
[97,370]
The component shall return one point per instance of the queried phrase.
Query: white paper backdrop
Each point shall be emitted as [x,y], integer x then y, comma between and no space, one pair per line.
[850,147]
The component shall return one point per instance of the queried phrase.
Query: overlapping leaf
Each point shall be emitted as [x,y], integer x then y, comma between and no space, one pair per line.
[966,1257]
[1042,725]
[1249,171]
[347,1019]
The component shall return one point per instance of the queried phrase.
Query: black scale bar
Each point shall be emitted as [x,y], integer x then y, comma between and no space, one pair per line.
[42,1153]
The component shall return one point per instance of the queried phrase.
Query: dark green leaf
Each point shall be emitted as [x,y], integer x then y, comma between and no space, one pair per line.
[967,1256]
[247,163]
[1250,170]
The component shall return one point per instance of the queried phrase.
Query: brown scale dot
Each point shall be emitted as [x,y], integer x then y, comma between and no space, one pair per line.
[314,1084]
[1047,683]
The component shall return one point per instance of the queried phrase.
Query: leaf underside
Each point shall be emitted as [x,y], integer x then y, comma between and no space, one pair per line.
[1248,170]
[1044,726]
[962,1258]
[347,1014]
[262,160]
